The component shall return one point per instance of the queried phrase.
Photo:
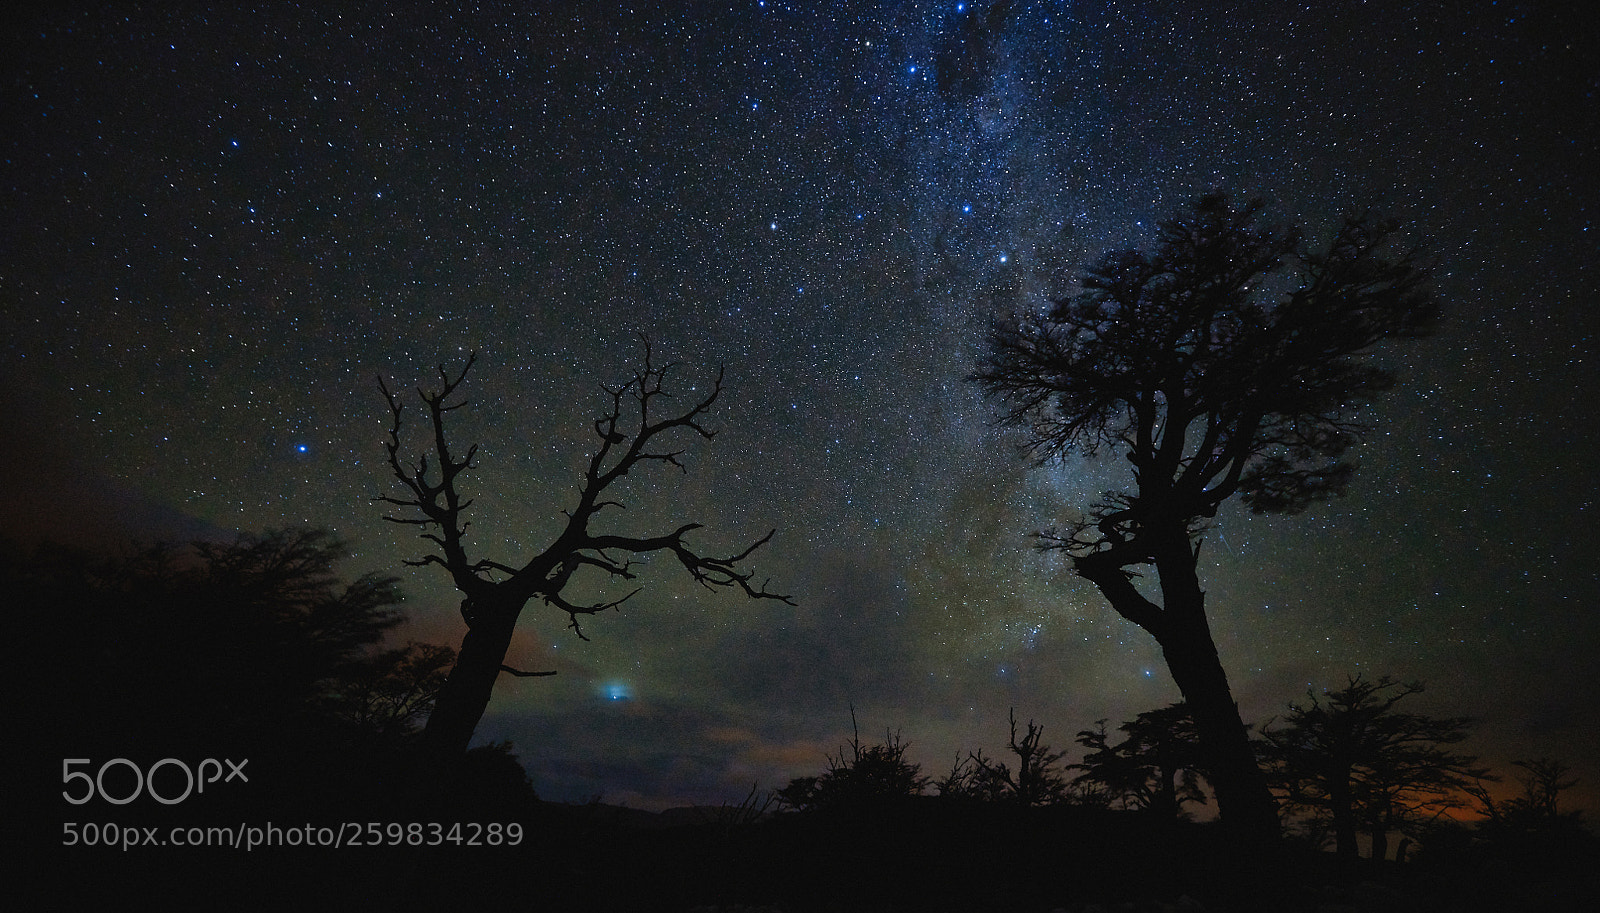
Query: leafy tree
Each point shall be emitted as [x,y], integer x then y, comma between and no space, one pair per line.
[1214,376]
[1359,765]
[218,642]
[245,649]
[1036,781]
[633,433]
[389,694]
[1155,767]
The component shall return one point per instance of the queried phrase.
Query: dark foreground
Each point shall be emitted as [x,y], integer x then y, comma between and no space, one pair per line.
[921,855]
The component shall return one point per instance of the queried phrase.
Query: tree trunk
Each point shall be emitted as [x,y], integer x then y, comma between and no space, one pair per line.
[1342,809]
[1244,800]
[465,695]
[1167,795]
[1380,843]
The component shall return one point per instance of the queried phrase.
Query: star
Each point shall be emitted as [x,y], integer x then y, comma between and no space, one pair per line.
[526,187]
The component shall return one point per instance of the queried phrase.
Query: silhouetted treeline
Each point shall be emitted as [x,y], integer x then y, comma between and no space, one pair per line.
[1352,768]
[251,650]
[257,651]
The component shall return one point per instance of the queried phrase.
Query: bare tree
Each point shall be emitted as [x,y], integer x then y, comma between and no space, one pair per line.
[1543,781]
[634,433]
[1173,359]
[1037,780]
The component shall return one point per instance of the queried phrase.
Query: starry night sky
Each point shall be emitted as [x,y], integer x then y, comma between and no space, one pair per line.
[221,227]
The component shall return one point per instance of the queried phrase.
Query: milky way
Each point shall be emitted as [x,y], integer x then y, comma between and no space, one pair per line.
[222,228]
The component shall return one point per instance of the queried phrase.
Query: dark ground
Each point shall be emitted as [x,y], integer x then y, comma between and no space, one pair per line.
[921,855]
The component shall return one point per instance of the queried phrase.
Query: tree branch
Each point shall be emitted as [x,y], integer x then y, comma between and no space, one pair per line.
[573,611]
[630,433]
[1107,570]
[520,674]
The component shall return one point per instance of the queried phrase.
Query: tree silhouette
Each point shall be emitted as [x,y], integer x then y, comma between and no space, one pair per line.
[1543,781]
[240,641]
[1036,781]
[390,693]
[871,776]
[1178,360]
[249,648]
[1156,767]
[1356,763]
[632,434]
[1529,832]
